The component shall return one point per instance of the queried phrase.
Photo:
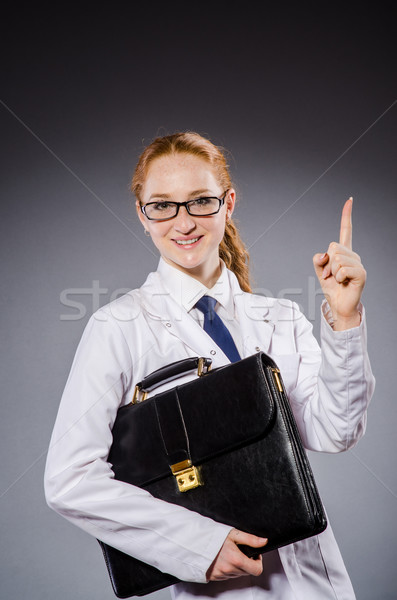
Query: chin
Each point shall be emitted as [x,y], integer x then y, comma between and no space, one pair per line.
[186,264]
[194,261]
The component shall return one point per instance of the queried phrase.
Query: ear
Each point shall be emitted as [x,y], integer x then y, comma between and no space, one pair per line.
[140,214]
[230,202]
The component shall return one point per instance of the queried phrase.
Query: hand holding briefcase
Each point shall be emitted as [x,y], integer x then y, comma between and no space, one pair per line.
[225,445]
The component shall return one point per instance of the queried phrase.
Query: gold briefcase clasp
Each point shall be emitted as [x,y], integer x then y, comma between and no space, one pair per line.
[187,475]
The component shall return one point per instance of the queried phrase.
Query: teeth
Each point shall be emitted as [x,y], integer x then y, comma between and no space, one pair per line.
[185,242]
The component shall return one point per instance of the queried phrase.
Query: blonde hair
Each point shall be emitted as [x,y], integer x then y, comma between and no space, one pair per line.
[232,250]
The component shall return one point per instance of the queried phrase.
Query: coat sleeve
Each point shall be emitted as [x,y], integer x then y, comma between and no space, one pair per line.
[334,384]
[79,483]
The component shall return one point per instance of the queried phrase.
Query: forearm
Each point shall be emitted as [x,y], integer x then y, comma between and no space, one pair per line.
[331,404]
[164,535]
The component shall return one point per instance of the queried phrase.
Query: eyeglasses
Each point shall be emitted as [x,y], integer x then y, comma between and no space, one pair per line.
[163,210]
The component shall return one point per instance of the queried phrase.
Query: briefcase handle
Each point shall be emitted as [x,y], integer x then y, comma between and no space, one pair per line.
[169,373]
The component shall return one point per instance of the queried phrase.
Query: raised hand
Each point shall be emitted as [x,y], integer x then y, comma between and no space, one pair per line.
[231,562]
[342,275]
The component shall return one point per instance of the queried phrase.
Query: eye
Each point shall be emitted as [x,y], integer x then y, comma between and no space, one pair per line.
[202,201]
[160,206]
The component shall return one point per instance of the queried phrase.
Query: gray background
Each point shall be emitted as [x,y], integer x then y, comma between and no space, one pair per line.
[303,99]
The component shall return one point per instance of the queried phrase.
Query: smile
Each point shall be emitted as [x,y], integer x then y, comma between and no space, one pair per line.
[187,242]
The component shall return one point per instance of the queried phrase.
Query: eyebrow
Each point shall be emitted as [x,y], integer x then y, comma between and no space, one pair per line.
[193,194]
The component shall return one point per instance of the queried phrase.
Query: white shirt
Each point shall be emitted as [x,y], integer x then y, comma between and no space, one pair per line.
[187,291]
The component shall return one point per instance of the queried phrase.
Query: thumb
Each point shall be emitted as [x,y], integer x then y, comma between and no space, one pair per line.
[319,262]
[247,539]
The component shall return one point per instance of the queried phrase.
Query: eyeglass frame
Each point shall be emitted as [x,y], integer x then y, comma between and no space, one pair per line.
[186,205]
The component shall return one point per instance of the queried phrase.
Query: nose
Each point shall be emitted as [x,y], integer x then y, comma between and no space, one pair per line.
[183,222]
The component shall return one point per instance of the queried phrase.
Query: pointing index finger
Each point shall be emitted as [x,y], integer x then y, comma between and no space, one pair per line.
[345,236]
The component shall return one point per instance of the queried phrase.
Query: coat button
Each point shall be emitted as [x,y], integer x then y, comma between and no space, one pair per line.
[212,352]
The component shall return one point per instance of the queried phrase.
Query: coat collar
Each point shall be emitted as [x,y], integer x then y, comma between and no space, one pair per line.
[252,312]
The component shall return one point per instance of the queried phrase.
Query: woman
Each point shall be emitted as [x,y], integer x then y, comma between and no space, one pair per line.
[185,202]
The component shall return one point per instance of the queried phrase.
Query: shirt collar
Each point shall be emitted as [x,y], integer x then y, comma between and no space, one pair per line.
[187,291]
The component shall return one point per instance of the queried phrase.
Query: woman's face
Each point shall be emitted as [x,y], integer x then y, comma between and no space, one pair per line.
[178,178]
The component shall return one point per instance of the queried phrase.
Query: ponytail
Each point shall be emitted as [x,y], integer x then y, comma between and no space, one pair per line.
[235,255]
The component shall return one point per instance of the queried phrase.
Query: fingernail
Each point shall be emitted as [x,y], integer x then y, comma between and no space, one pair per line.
[323,256]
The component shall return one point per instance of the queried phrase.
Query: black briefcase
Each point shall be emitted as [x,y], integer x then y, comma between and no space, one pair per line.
[225,445]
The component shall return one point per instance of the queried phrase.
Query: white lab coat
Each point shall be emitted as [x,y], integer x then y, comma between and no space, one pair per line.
[146,329]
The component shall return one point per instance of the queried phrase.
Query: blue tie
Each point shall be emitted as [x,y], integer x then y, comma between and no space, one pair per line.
[215,327]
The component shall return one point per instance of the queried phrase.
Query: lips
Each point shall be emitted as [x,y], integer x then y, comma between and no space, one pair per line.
[183,242]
